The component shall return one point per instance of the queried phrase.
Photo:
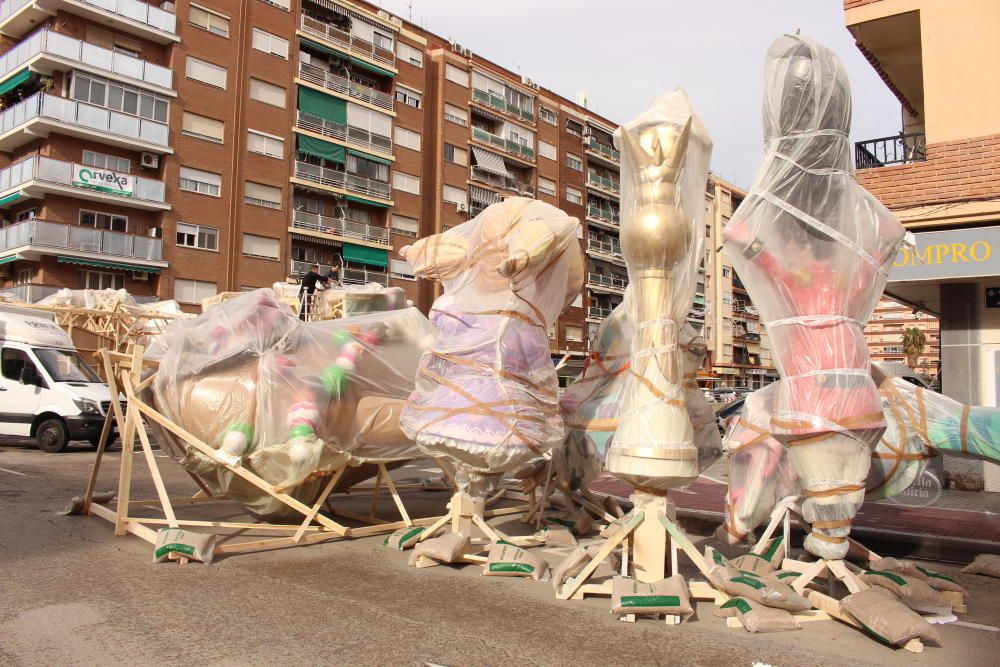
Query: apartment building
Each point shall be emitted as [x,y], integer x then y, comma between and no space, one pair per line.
[885,330]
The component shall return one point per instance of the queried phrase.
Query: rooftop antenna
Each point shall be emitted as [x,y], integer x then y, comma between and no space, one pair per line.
[409,6]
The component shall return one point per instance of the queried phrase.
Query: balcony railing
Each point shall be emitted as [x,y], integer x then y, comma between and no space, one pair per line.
[58,172]
[604,214]
[365,276]
[30,293]
[345,40]
[505,182]
[344,86]
[606,247]
[597,313]
[140,12]
[64,110]
[299,267]
[328,128]
[85,239]
[506,145]
[612,282]
[343,180]
[76,51]
[336,227]
[607,151]
[501,105]
[603,183]
[900,149]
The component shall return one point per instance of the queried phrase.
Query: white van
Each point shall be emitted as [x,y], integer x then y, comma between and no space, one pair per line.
[47,390]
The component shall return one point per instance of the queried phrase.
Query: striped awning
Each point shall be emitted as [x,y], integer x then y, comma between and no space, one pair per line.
[62,259]
[483,196]
[490,162]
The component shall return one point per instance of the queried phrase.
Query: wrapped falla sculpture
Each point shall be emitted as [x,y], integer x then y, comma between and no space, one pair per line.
[486,390]
[665,158]
[813,249]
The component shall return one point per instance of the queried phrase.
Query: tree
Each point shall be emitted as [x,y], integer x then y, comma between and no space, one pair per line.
[914,342]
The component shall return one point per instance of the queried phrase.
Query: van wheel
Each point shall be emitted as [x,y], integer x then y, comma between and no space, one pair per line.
[52,436]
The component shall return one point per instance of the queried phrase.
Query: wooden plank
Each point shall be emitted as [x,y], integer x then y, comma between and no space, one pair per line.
[839,570]
[603,588]
[957,601]
[806,577]
[395,494]
[318,504]
[685,544]
[154,468]
[610,545]
[95,470]
[133,526]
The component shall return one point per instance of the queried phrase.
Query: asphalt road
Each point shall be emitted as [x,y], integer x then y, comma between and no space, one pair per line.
[73,594]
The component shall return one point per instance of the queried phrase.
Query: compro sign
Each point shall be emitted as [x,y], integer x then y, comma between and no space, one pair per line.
[959,253]
[103,180]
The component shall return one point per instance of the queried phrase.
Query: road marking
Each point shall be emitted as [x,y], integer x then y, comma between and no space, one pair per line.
[13,472]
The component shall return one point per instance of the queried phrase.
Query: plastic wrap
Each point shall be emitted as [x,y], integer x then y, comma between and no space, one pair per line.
[335,302]
[486,391]
[813,249]
[665,159]
[91,299]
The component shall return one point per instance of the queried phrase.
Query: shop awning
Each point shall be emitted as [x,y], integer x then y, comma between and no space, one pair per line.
[370,67]
[322,149]
[62,259]
[320,104]
[370,202]
[10,199]
[14,81]
[8,260]
[490,162]
[365,255]
[366,156]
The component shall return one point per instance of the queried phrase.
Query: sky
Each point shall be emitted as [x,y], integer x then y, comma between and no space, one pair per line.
[623,53]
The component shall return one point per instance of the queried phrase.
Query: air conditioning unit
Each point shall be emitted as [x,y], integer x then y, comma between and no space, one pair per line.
[156,232]
[528,82]
[138,276]
[587,131]
[460,50]
[462,207]
[150,160]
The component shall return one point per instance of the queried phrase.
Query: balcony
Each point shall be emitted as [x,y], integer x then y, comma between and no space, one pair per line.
[343,228]
[46,52]
[503,182]
[347,42]
[901,149]
[602,283]
[18,17]
[506,145]
[33,238]
[42,113]
[37,176]
[612,249]
[603,215]
[344,86]
[342,180]
[31,293]
[351,276]
[597,313]
[607,152]
[369,140]
[604,184]
[498,103]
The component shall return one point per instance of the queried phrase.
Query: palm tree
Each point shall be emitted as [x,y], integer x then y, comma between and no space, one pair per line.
[914,341]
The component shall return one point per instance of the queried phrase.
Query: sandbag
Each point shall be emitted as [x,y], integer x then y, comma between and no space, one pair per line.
[556,536]
[767,561]
[942,582]
[914,593]
[898,566]
[985,564]
[445,549]
[756,617]
[719,568]
[404,538]
[175,543]
[666,596]
[506,560]
[886,618]
[572,565]
[767,590]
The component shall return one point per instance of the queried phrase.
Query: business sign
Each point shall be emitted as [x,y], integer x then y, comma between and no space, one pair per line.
[959,253]
[103,180]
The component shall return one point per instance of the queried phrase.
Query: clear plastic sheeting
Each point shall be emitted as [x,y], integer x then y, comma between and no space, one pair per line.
[665,159]
[91,299]
[335,302]
[486,391]
[288,400]
[813,249]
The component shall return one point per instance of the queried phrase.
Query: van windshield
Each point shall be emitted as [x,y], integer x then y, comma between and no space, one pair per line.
[66,365]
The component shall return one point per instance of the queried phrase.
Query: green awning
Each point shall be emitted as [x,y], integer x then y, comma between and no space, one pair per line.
[324,49]
[322,149]
[370,202]
[365,255]
[367,156]
[14,81]
[61,259]
[325,106]
[371,68]
[8,260]
[10,199]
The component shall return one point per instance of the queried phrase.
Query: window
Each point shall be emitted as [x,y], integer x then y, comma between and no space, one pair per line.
[365,168]
[407,138]
[259,194]
[202,182]
[28,214]
[197,236]
[303,254]
[408,96]
[456,155]
[206,72]
[456,115]
[371,121]
[201,127]
[573,334]
[268,43]
[574,127]
[280,4]
[400,268]
[192,291]
[109,94]
[405,226]
[108,221]
[105,161]
[726,272]
[308,204]
[265,144]
[99,280]
[546,150]
[456,75]
[548,116]
[206,19]
[574,196]
[406,182]
[408,54]
[261,246]
[547,187]
[381,41]
[574,162]
[578,301]
[14,361]
[454,195]
[268,93]
[24,276]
